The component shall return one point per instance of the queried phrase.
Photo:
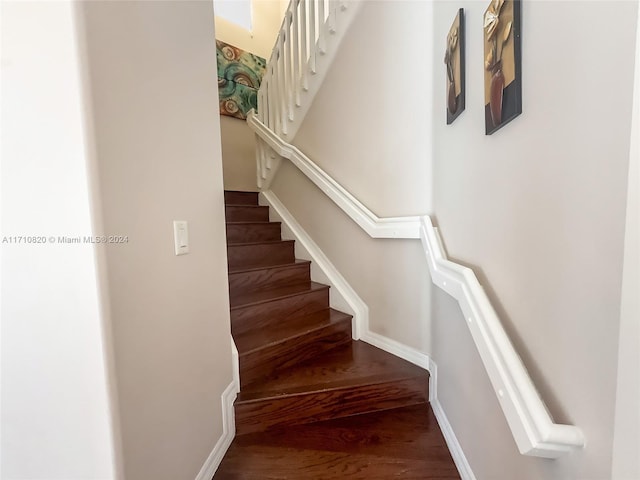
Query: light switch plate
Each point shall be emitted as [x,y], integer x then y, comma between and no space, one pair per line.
[181,236]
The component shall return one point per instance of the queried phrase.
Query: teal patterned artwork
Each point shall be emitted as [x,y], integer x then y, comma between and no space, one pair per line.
[239,77]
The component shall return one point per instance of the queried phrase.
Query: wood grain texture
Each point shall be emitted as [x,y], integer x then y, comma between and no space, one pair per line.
[313,403]
[287,345]
[234,197]
[241,255]
[264,278]
[356,363]
[246,213]
[246,232]
[403,443]
[265,309]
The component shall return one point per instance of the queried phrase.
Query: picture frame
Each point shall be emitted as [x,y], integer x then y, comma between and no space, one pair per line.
[454,60]
[502,63]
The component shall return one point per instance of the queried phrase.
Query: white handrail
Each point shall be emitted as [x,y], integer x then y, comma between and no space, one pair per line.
[531,424]
[308,40]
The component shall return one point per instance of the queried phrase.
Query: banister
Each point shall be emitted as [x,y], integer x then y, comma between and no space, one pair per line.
[533,429]
[306,44]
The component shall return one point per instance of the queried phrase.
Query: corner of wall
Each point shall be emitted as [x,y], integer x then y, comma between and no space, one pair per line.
[229,431]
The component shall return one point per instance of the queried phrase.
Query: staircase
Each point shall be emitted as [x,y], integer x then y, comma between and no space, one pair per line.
[300,370]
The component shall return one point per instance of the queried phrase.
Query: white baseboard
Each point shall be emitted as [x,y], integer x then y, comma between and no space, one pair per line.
[459,458]
[360,311]
[327,273]
[228,433]
[342,296]
[396,348]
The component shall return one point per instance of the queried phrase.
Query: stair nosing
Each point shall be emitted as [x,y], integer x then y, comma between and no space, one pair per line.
[264,242]
[343,318]
[314,286]
[253,222]
[295,263]
[360,382]
[245,205]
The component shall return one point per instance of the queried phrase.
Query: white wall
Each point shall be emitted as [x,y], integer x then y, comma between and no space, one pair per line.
[626,444]
[55,414]
[153,88]
[238,143]
[266,22]
[538,209]
[377,146]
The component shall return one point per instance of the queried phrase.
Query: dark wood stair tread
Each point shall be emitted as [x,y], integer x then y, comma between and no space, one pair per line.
[260,253]
[243,205]
[355,364]
[246,213]
[237,232]
[267,267]
[258,243]
[249,222]
[305,384]
[297,261]
[236,197]
[254,298]
[399,443]
[253,340]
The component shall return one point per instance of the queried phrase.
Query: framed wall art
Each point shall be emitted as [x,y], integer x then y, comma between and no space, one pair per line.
[502,64]
[454,59]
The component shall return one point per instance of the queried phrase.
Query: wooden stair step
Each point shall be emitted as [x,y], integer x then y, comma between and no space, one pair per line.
[399,443]
[260,254]
[264,351]
[235,197]
[261,278]
[246,232]
[266,308]
[345,381]
[246,213]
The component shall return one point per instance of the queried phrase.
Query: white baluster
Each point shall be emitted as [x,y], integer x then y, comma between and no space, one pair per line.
[264,108]
[288,65]
[295,25]
[272,98]
[312,37]
[331,20]
[322,44]
[305,45]
[282,85]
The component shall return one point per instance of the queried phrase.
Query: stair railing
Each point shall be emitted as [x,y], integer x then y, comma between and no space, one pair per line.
[532,427]
[308,41]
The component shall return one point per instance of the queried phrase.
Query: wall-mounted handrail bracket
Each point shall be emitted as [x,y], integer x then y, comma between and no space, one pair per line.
[535,432]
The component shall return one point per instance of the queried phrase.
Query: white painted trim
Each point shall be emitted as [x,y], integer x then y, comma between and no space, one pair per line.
[347,294]
[362,331]
[376,227]
[528,418]
[356,305]
[228,433]
[459,458]
[398,349]
[310,73]
[531,425]
[235,365]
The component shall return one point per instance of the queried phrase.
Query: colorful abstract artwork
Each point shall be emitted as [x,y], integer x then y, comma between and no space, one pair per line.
[454,61]
[239,77]
[502,64]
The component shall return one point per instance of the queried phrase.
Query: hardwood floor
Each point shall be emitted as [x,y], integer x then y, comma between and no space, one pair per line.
[313,403]
[403,443]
